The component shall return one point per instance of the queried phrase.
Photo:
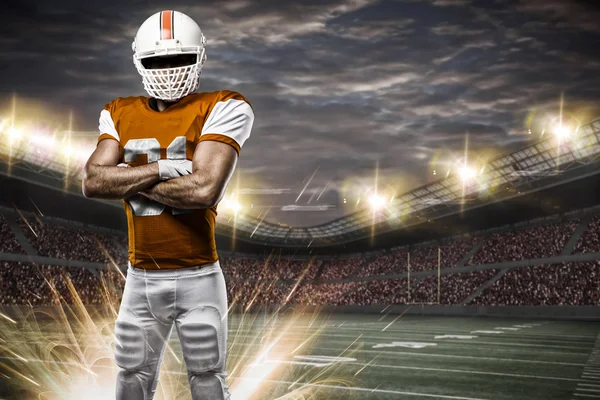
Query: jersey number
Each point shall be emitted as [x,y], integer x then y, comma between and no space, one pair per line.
[142,206]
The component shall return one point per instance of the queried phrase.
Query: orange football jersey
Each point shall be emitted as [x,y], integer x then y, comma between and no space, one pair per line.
[161,237]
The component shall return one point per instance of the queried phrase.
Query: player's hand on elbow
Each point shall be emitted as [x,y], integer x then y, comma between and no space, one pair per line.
[169,169]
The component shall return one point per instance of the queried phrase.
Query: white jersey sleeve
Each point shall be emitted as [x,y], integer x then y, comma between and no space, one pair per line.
[106,124]
[229,121]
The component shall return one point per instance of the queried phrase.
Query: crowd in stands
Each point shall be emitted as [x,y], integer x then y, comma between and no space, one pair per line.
[322,294]
[71,243]
[358,280]
[8,242]
[341,268]
[294,269]
[379,292]
[245,268]
[525,244]
[546,285]
[31,284]
[590,240]
[281,268]
[420,258]
[564,284]
[453,288]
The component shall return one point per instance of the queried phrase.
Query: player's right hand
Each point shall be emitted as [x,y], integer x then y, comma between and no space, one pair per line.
[169,169]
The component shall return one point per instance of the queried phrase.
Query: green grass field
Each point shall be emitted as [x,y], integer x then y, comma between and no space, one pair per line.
[346,356]
[449,358]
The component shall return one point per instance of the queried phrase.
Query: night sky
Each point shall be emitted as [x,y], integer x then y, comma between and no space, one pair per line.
[338,87]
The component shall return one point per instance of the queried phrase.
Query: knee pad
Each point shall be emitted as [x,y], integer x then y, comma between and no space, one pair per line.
[207,385]
[201,336]
[130,386]
[130,345]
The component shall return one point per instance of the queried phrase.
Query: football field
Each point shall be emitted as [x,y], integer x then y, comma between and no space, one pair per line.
[302,355]
[414,357]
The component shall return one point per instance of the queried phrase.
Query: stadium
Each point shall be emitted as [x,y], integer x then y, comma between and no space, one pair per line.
[484,284]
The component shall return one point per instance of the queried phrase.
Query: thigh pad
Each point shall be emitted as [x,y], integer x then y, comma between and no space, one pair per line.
[130,345]
[201,336]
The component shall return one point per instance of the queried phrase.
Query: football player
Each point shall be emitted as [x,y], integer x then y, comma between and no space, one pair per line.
[170,156]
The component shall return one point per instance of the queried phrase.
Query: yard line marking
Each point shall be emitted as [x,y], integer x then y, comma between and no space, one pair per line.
[507,328]
[461,342]
[459,356]
[452,330]
[463,371]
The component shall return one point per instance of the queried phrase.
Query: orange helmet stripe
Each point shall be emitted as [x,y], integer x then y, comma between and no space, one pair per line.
[166,24]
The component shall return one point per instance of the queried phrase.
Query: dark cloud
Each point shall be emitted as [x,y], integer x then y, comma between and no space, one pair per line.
[339,86]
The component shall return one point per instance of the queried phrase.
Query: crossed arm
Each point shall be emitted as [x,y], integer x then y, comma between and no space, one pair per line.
[213,165]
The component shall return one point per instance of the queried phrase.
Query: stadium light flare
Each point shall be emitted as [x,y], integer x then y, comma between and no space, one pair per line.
[562,132]
[467,173]
[13,134]
[68,151]
[42,140]
[236,207]
[229,204]
[377,202]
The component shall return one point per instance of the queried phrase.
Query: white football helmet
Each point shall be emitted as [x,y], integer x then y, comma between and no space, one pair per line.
[169,33]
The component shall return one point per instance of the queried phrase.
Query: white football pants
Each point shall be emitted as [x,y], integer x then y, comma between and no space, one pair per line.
[195,299]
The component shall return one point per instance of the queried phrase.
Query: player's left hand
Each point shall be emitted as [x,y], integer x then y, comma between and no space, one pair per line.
[169,169]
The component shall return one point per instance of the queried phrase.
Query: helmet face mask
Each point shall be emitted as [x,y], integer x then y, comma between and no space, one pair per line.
[169,54]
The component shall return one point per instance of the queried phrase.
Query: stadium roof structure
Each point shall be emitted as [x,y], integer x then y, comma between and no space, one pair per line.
[532,168]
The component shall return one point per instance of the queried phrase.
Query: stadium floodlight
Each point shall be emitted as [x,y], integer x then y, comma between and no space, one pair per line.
[13,134]
[467,173]
[231,205]
[376,201]
[236,207]
[68,151]
[561,132]
[43,140]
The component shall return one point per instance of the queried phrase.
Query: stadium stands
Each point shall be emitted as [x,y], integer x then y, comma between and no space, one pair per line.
[546,285]
[525,244]
[341,268]
[8,242]
[375,278]
[32,284]
[590,241]
[69,243]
